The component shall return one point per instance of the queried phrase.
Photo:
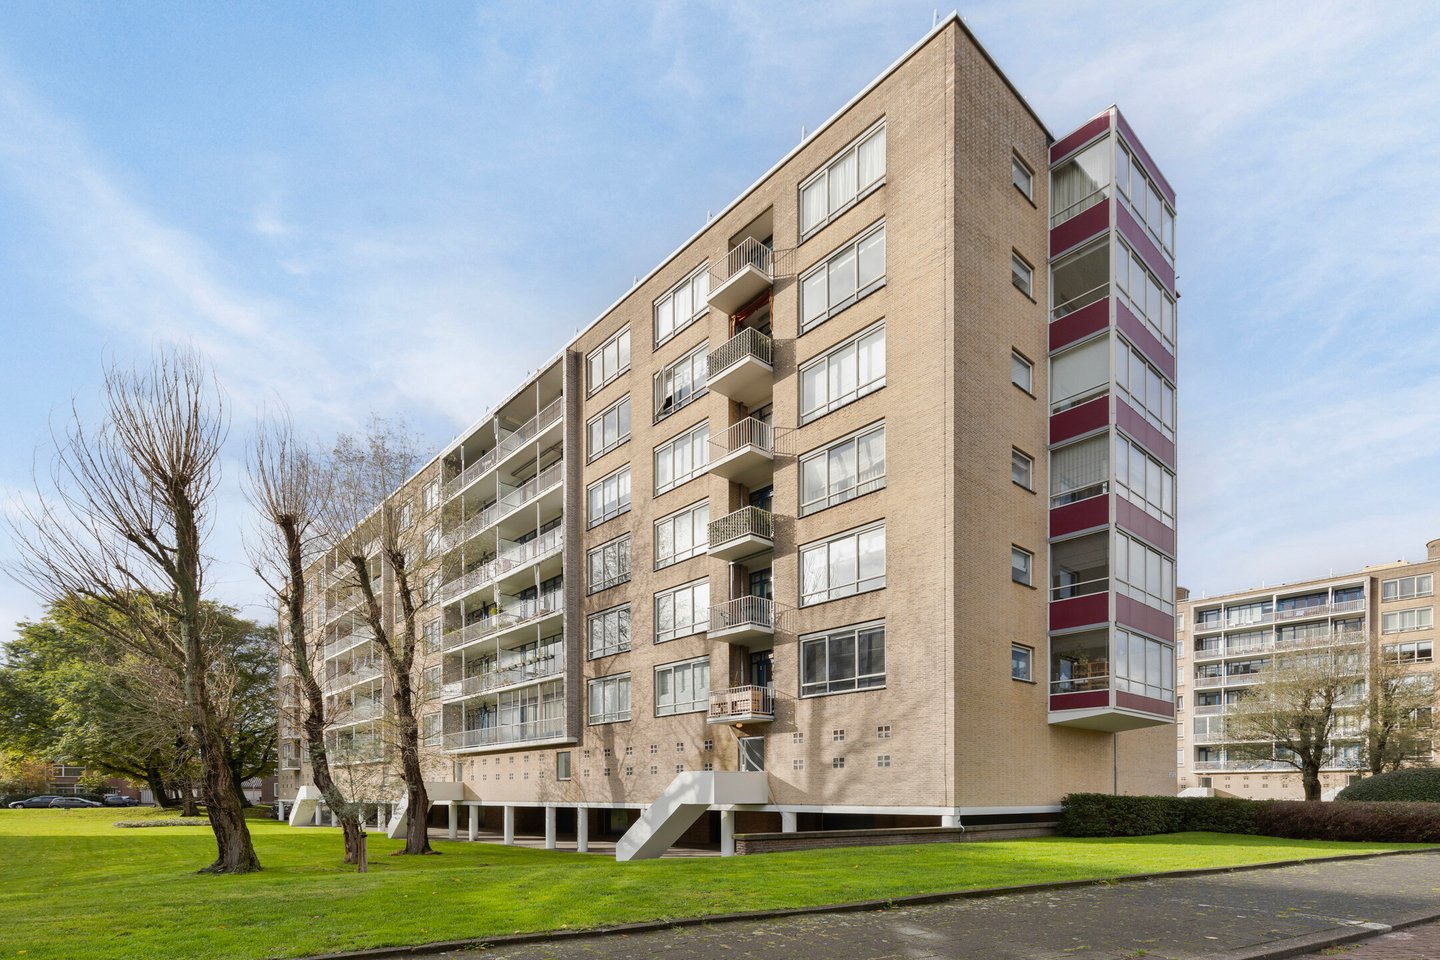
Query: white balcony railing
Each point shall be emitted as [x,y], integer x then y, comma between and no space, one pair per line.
[536,669]
[508,444]
[748,343]
[742,703]
[743,612]
[749,432]
[547,729]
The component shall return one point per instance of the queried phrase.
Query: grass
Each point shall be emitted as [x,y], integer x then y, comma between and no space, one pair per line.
[75,887]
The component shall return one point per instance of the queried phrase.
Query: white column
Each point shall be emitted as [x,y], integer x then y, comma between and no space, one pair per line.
[549,828]
[474,822]
[582,830]
[727,833]
[319,812]
[510,825]
[454,823]
[787,821]
[379,816]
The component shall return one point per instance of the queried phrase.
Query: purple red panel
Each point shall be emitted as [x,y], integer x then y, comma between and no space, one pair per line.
[1090,415]
[1080,137]
[1143,617]
[1088,700]
[1080,611]
[1083,226]
[1074,517]
[1139,429]
[1140,523]
[1143,156]
[1133,701]
[1137,333]
[1141,243]
[1080,324]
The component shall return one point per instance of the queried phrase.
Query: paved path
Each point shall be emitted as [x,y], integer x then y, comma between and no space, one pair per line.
[1414,943]
[1175,919]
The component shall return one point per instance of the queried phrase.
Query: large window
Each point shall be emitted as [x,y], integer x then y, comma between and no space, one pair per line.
[1079,566]
[1080,182]
[1416,651]
[609,360]
[682,458]
[1144,294]
[846,469]
[608,631]
[682,535]
[1144,481]
[682,304]
[1144,200]
[1405,588]
[609,497]
[681,382]
[1145,388]
[682,687]
[609,564]
[1079,279]
[609,429]
[853,562]
[1400,621]
[1079,374]
[847,275]
[1079,471]
[682,611]
[610,699]
[848,176]
[838,661]
[843,374]
[1143,573]
[1143,666]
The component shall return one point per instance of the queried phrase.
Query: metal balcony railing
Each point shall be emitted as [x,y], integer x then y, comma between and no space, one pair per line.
[478,630]
[360,712]
[748,253]
[749,432]
[531,488]
[539,668]
[511,733]
[352,638]
[508,444]
[743,612]
[739,703]
[514,554]
[747,521]
[747,343]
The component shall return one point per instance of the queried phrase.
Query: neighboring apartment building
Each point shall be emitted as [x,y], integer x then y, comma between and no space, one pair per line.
[1225,645]
[835,517]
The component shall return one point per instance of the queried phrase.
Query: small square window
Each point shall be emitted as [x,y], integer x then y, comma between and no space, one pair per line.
[654,749]
[1021,176]
[605,772]
[629,751]
[629,771]
[882,732]
[679,748]
[679,768]
[1022,373]
[654,770]
[838,763]
[883,760]
[797,737]
[797,764]
[1022,662]
[838,736]
[707,765]
[709,745]
[1022,275]
[1022,469]
[1021,562]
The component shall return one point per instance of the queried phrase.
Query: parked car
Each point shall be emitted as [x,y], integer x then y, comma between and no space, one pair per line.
[67,803]
[40,801]
[118,800]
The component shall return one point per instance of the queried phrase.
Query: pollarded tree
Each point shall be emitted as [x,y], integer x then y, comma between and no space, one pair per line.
[1398,715]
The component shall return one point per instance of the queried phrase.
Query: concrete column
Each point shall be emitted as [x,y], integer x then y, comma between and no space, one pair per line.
[474,822]
[727,833]
[454,824]
[582,830]
[379,816]
[549,828]
[510,825]
[319,812]
[787,821]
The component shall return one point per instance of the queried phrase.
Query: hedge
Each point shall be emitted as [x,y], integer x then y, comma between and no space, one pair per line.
[1415,785]
[1104,815]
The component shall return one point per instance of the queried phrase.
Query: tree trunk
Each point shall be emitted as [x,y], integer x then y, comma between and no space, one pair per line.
[226,809]
[1310,776]
[156,783]
[239,783]
[188,806]
[417,827]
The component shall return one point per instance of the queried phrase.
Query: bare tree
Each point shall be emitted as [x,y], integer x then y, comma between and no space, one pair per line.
[1295,712]
[287,490]
[1398,722]
[363,520]
[123,525]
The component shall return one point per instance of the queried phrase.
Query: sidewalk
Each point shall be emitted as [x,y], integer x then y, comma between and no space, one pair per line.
[1416,943]
[1176,919]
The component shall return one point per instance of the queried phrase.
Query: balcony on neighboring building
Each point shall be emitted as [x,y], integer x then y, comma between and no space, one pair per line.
[749,621]
[743,368]
[744,453]
[739,705]
[747,271]
[745,533]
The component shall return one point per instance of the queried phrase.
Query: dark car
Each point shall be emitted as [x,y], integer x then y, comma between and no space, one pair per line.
[118,800]
[67,803]
[40,801]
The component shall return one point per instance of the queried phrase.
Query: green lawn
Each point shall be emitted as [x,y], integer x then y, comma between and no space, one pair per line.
[74,887]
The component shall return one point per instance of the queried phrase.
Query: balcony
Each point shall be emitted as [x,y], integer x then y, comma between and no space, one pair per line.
[745,273]
[743,368]
[349,678]
[359,713]
[744,453]
[537,669]
[344,606]
[517,438]
[744,533]
[739,705]
[348,641]
[548,729]
[749,621]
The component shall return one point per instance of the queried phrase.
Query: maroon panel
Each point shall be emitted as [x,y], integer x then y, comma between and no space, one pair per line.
[1140,523]
[1137,333]
[1088,700]
[1074,141]
[1141,616]
[1133,701]
[1084,225]
[1139,429]
[1146,161]
[1080,611]
[1072,517]
[1080,324]
[1090,415]
[1141,243]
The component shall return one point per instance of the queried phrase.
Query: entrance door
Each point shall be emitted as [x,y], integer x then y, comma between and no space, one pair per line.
[752,754]
[761,667]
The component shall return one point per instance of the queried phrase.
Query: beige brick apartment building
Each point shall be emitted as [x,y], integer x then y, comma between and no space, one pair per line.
[1224,645]
[773,536]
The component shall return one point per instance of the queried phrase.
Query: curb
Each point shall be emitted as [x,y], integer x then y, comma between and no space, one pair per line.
[1316,942]
[442,947]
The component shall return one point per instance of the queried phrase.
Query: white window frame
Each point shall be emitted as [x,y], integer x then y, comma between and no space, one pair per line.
[430,496]
[695,365]
[1126,453]
[1159,317]
[1126,364]
[614,351]
[620,684]
[699,622]
[617,413]
[1020,460]
[619,479]
[433,541]
[820,180]
[693,443]
[689,525]
[824,457]
[564,766]
[1022,274]
[619,617]
[826,550]
[615,558]
[1140,200]
[1018,361]
[857,681]
[831,359]
[1024,571]
[1421,585]
[698,699]
[698,294]
[1018,169]
[1406,621]
[1155,584]
[1029,676]
[1411,651]
[407,514]
[850,249]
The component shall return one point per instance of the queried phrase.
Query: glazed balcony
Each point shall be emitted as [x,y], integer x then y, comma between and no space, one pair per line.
[746,272]
[531,429]
[743,368]
[479,738]
[749,621]
[539,667]
[737,705]
[744,453]
[745,533]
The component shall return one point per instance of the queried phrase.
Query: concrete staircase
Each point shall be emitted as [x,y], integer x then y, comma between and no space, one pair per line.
[302,811]
[436,791]
[689,795]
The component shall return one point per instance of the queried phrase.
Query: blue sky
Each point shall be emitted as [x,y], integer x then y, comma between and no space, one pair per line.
[403,208]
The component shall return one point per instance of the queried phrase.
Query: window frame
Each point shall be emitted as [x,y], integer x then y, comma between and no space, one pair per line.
[860,585]
[696,703]
[1029,653]
[854,491]
[1017,166]
[857,293]
[621,508]
[696,357]
[1028,570]
[668,448]
[603,717]
[592,454]
[696,625]
[853,632]
[1017,357]
[1025,271]
[697,313]
[564,766]
[1016,457]
[1415,593]
[823,174]
[621,646]
[861,391]
[1399,616]
[700,541]
[626,540]
[592,387]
